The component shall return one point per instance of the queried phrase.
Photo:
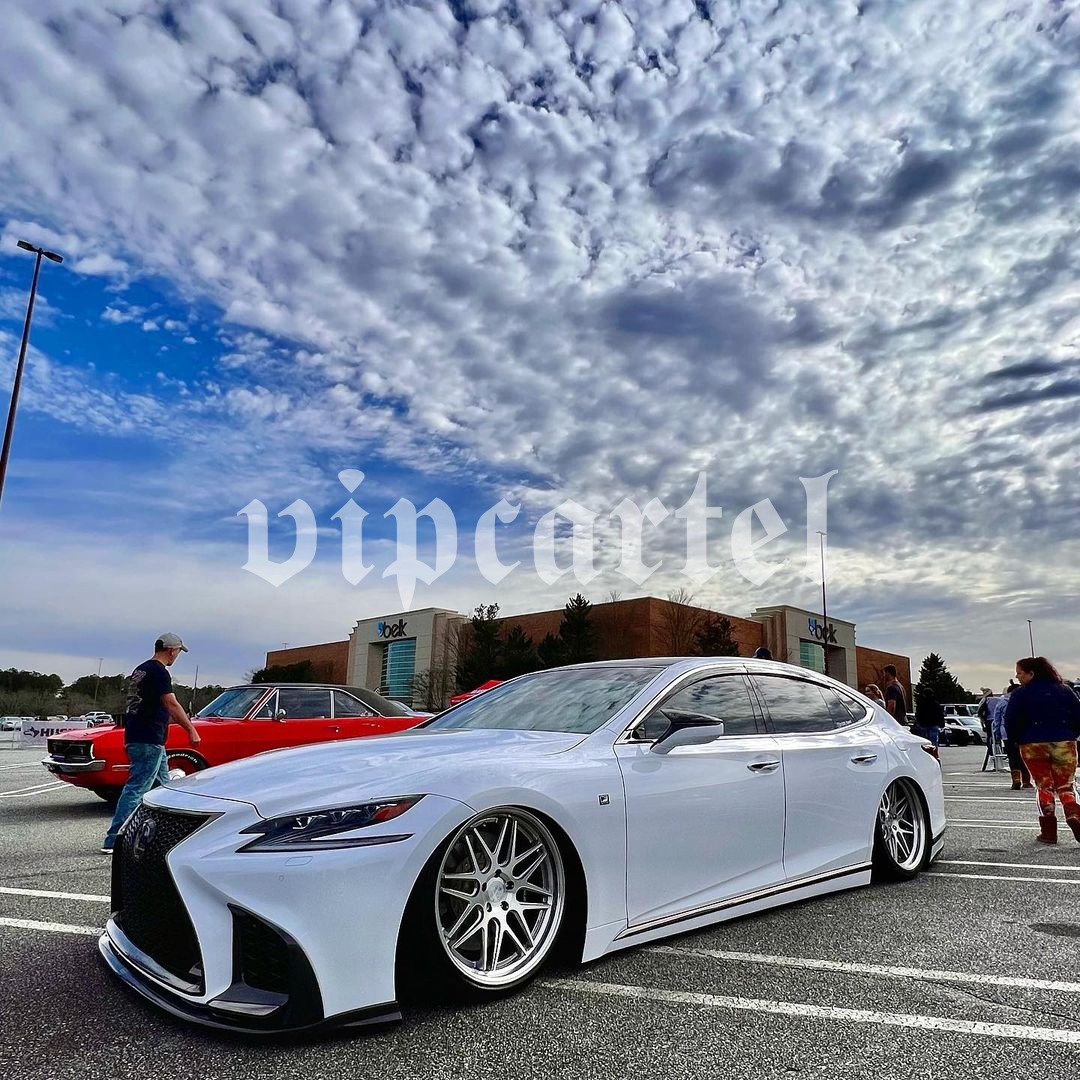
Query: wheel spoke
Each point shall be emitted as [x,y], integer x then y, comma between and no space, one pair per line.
[499,861]
[495,928]
[472,855]
[539,861]
[457,894]
[525,855]
[460,940]
[488,853]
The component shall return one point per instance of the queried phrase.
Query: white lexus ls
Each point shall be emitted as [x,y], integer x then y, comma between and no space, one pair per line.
[575,811]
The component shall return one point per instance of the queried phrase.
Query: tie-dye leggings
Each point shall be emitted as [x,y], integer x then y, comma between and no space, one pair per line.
[1053,768]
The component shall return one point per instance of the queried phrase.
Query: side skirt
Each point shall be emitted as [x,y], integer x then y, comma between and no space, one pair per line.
[787,892]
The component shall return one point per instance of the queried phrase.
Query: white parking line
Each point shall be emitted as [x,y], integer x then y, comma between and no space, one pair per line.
[985,798]
[54,927]
[21,765]
[921,974]
[93,897]
[791,1008]
[1010,865]
[1007,877]
[1002,828]
[24,792]
[990,821]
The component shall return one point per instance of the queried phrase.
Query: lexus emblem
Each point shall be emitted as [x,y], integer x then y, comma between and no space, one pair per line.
[143,838]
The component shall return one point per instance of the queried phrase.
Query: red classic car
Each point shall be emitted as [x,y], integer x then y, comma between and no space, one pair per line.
[239,722]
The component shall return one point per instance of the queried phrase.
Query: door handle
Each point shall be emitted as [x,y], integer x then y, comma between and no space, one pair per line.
[763,766]
[333,727]
[864,759]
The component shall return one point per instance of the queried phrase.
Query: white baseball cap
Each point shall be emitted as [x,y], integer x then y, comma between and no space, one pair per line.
[172,641]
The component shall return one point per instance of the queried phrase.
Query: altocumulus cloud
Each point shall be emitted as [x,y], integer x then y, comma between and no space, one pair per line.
[586,250]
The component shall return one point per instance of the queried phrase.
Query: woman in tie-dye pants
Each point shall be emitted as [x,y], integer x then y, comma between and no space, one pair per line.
[1043,718]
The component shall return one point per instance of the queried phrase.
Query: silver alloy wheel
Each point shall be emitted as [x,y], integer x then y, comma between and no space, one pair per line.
[501,891]
[903,825]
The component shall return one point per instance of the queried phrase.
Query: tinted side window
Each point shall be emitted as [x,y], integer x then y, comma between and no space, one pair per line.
[346,706]
[842,710]
[796,706]
[301,704]
[857,709]
[722,697]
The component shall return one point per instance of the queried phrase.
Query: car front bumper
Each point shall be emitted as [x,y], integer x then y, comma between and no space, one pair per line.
[325,923]
[73,768]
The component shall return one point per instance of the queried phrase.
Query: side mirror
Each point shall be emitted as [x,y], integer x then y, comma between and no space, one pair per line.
[280,715]
[688,729]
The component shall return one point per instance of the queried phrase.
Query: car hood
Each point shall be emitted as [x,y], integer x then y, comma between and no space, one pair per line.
[417,762]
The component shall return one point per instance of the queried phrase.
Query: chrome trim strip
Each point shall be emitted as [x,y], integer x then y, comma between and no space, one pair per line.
[741,899]
[130,952]
[71,768]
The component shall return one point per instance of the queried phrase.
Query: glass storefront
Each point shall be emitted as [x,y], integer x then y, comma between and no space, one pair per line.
[812,656]
[398,670]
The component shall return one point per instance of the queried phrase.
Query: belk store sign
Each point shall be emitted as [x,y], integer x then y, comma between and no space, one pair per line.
[386,631]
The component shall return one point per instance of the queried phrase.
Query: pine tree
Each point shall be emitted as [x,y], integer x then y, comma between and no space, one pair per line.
[715,637]
[481,655]
[936,681]
[551,652]
[519,654]
[576,631]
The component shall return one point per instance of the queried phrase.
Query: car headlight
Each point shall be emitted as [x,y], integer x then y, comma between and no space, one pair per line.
[318,830]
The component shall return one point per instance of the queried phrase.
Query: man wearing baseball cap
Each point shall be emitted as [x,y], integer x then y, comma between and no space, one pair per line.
[151,705]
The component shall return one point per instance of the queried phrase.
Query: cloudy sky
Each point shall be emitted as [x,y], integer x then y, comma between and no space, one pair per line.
[539,251]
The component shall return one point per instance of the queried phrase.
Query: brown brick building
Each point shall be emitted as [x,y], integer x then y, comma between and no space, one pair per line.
[413,653]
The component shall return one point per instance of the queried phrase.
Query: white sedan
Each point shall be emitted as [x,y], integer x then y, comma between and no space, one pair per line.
[580,810]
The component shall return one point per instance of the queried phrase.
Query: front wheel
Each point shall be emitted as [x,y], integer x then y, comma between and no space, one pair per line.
[902,832]
[487,910]
[110,795]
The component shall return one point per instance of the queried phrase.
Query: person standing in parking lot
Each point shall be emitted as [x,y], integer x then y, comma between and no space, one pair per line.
[895,699]
[1042,718]
[929,715]
[151,705]
[1021,778]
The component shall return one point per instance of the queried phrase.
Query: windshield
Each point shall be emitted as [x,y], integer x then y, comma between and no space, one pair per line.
[577,700]
[234,704]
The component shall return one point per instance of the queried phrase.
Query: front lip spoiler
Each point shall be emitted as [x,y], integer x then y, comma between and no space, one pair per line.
[72,768]
[202,1014]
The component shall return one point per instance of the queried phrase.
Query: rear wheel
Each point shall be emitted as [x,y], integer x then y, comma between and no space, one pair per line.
[487,910]
[902,834]
[183,763]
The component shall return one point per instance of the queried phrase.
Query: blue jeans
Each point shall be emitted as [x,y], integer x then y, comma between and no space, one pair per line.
[931,733]
[148,767]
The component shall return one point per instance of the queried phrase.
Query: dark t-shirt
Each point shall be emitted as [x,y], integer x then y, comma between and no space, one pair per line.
[146,720]
[895,693]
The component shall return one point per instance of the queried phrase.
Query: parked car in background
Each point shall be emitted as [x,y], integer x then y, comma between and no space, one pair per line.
[96,719]
[239,722]
[958,731]
[11,723]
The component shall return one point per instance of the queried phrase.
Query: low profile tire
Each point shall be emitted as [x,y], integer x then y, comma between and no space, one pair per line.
[902,832]
[487,910]
[110,797]
[183,763]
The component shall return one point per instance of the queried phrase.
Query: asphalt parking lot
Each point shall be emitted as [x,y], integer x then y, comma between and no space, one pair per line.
[973,970]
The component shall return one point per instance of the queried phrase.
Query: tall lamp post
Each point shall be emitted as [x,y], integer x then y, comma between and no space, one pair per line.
[53,257]
[824,605]
[1031,640]
[101,660]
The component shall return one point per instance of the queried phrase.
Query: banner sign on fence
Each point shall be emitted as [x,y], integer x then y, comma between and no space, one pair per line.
[35,733]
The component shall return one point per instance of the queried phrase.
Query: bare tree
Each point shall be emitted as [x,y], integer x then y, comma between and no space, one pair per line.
[682,622]
[611,625]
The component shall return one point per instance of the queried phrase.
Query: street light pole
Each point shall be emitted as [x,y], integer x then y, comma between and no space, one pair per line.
[101,660]
[9,431]
[1031,640]
[824,605]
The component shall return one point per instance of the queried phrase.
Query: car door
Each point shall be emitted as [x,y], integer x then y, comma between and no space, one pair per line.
[354,719]
[702,822]
[834,772]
